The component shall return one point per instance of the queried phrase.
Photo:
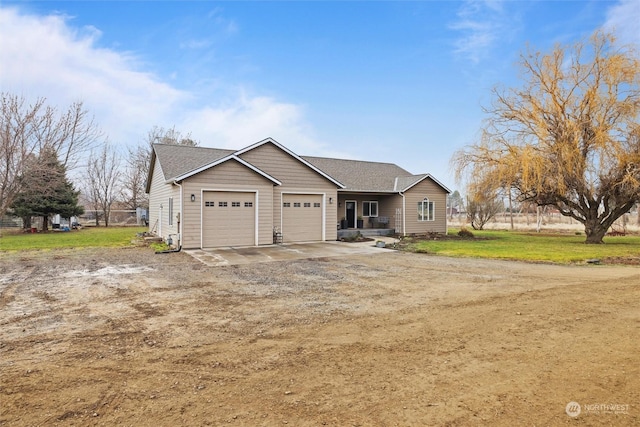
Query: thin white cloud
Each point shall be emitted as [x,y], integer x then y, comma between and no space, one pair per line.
[45,56]
[624,19]
[229,26]
[249,119]
[481,24]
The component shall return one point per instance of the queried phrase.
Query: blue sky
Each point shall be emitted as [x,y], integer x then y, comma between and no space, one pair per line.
[402,82]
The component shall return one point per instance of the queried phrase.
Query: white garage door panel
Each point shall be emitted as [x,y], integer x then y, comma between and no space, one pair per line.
[228,219]
[301,217]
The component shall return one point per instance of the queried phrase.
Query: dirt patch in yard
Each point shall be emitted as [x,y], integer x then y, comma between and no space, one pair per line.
[125,337]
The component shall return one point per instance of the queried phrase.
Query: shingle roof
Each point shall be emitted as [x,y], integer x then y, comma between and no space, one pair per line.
[177,160]
[359,175]
[355,175]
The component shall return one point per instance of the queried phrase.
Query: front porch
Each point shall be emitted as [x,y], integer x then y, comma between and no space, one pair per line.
[366,232]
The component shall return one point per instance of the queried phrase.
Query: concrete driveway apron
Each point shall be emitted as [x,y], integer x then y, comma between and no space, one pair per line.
[287,252]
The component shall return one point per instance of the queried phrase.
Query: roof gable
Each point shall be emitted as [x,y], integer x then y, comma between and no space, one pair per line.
[177,160]
[225,159]
[292,154]
[405,183]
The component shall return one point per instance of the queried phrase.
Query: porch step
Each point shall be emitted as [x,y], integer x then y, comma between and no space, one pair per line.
[367,232]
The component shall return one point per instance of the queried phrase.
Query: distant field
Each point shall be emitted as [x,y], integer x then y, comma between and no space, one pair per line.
[107,237]
[534,247]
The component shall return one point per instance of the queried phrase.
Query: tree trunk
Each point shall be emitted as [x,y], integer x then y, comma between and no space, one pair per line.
[595,232]
[45,223]
[26,223]
[510,210]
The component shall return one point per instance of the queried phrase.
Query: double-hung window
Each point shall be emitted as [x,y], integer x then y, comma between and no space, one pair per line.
[426,210]
[370,208]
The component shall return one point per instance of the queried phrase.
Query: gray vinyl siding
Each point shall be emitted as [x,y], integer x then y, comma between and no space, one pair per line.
[159,195]
[388,208]
[434,193]
[295,177]
[230,176]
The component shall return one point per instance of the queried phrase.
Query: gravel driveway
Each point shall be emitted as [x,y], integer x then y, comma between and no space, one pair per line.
[125,337]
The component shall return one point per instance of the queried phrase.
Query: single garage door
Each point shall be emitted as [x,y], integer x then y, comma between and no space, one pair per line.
[301,217]
[228,219]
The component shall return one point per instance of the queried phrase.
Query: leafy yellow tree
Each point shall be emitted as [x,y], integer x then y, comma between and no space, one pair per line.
[570,136]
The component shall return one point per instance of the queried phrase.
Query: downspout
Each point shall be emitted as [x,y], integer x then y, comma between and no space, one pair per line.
[404,216]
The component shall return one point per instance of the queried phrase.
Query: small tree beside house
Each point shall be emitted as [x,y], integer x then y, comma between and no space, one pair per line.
[45,191]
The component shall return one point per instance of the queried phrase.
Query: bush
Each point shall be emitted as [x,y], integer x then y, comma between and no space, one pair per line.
[465,233]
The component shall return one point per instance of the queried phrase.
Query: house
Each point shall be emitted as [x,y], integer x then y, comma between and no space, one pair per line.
[207,197]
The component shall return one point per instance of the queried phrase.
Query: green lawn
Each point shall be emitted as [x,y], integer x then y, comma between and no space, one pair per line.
[533,247]
[111,237]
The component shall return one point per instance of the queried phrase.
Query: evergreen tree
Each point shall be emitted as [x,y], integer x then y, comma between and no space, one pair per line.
[45,190]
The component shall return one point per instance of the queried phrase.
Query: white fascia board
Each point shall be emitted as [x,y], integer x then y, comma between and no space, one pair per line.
[292,154]
[222,160]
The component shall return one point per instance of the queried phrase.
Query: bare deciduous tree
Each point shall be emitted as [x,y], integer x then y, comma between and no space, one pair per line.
[137,168]
[169,136]
[29,129]
[569,137]
[70,134]
[482,202]
[135,177]
[103,175]
[17,127]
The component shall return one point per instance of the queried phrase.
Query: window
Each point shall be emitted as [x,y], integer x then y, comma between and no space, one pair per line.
[307,205]
[286,204]
[316,205]
[426,210]
[370,208]
[210,204]
[296,205]
[222,204]
[248,204]
[170,210]
[235,204]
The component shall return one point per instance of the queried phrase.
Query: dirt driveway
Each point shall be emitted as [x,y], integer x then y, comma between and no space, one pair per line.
[125,337]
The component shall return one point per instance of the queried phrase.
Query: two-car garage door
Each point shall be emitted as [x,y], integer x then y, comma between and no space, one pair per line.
[301,217]
[228,219]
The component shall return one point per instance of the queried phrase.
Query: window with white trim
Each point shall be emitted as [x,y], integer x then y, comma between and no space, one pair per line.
[370,208]
[426,210]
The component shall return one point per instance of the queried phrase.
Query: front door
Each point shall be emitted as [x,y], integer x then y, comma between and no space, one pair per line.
[351,214]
